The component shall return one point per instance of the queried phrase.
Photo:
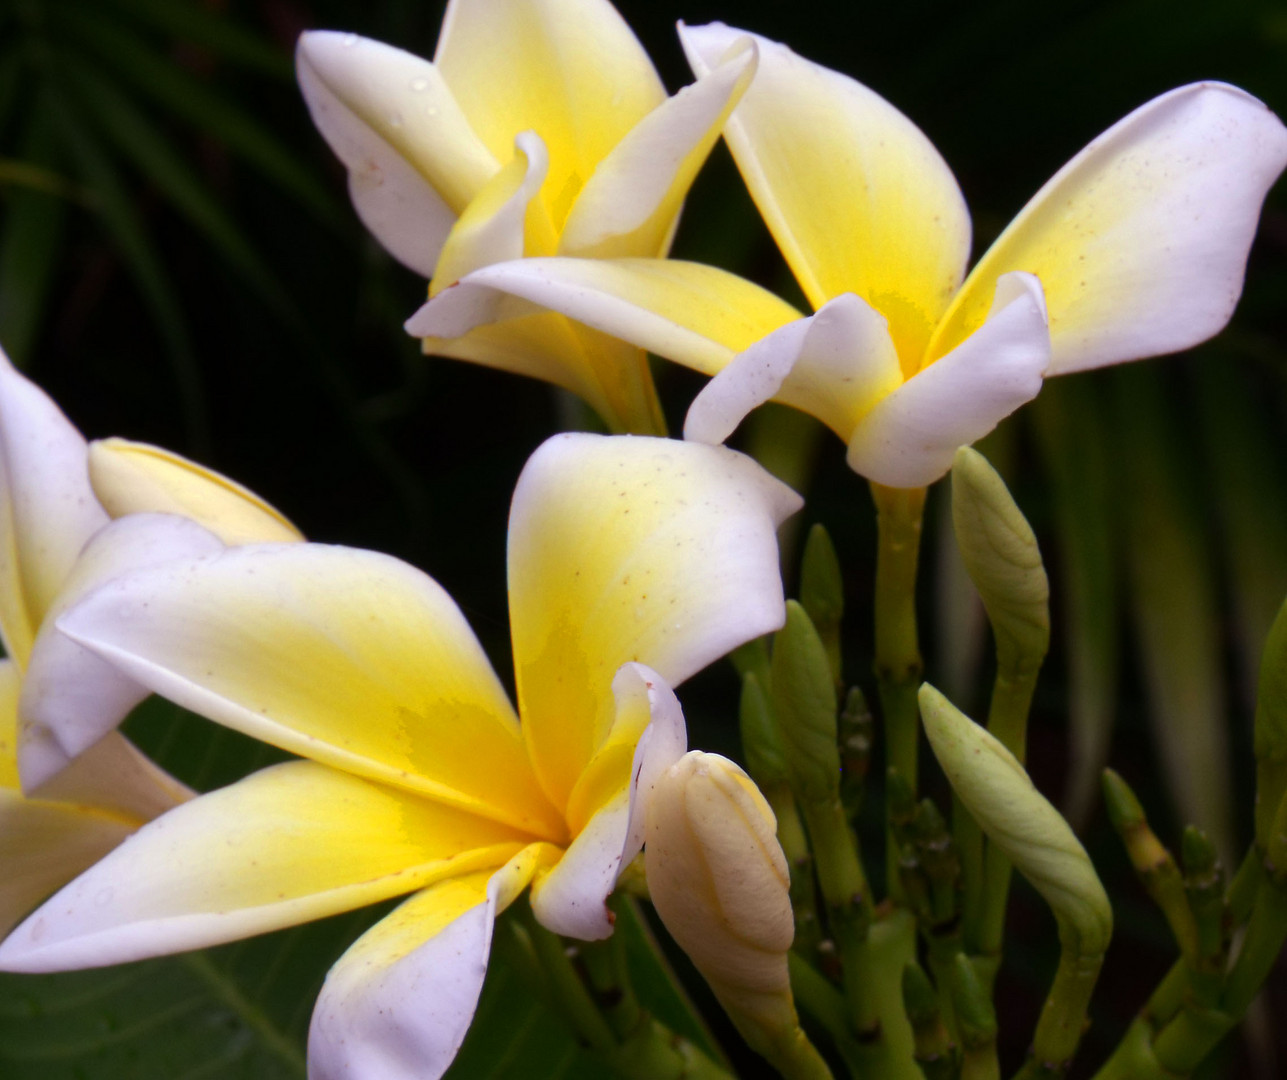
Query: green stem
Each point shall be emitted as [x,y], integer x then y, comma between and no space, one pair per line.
[898,664]
[1064,1014]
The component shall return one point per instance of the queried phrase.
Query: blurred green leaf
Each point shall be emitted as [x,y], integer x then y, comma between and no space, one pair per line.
[209,28]
[1072,438]
[1174,602]
[187,97]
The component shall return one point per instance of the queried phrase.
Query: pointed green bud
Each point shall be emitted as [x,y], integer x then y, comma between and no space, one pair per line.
[996,790]
[1204,885]
[1001,556]
[1271,728]
[976,1017]
[822,592]
[804,701]
[761,742]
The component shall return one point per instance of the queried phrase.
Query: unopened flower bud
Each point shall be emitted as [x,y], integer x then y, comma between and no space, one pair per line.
[719,881]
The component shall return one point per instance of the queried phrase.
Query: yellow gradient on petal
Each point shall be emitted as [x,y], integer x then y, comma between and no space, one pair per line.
[620,550]
[608,773]
[134,478]
[610,375]
[43,845]
[10,687]
[571,70]
[854,193]
[344,656]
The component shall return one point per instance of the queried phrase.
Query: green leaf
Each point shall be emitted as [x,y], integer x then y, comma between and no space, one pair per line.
[121,220]
[1073,440]
[135,136]
[30,242]
[1173,598]
[173,88]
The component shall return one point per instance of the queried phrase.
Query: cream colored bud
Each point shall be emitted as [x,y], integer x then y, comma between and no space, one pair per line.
[718,878]
[133,478]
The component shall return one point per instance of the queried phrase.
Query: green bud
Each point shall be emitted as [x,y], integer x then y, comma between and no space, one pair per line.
[1271,728]
[1028,830]
[855,732]
[975,1016]
[761,742]
[1204,886]
[1001,556]
[822,592]
[804,701]
[934,1052]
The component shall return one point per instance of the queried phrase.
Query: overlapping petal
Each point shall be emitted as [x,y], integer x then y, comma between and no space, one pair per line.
[347,657]
[909,437]
[834,365]
[630,205]
[433,951]
[856,196]
[135,478]
[245,859]
[543,65]
[696,315]
[71,697]
[639,549]
[47,510]
[1141,240]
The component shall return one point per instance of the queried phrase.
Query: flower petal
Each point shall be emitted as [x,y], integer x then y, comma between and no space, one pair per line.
[571,898]
[696,315]
[856,196]
[10,687]
[135,478]
[834,365]
[348,657]
[47,510]
[71,697]
[492,227]
[398,1003]
[627,549]
[662,744]
[910,437]
[286,845]
[571,70]
[112,775]
[43,845]
[414,162]
[631,204]
[1141,240]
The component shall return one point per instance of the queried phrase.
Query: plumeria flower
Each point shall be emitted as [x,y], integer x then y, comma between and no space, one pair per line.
[1137,247]
[418,776]
[65,802]
[541,128]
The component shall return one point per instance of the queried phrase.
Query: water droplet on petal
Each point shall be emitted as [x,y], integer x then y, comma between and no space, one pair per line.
[419,84]
[349,40]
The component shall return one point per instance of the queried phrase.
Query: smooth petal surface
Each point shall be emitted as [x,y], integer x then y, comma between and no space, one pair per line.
[696,315]
[114,776]
[288,844]
[834,365]
[856,196]
[492,227]
[627,549]
[570,70]
[398,1003]
[631,203]
[10,687]
[1141,240]
[348,657]
[911,436]
[414,162]
[665,740]
[43,845]
[72,697]
[47,510]
[571,898]
[135,478]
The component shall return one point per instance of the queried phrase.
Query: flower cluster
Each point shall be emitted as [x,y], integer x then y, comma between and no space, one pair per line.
[534,173]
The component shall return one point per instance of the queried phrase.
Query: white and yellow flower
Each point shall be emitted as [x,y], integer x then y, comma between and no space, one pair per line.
[1137,247]
[71,789]
[418,775]
[540,128]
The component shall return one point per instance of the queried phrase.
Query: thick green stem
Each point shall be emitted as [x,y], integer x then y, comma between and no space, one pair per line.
[898,664]
[1063,1017]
